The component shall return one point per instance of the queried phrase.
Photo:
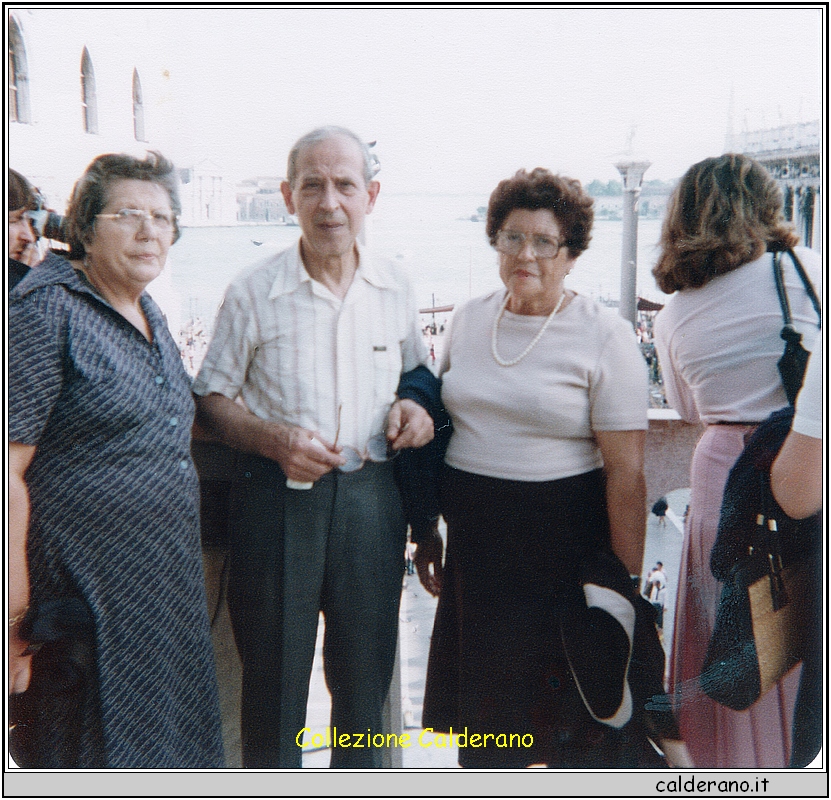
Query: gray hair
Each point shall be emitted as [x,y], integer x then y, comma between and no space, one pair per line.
[371,164]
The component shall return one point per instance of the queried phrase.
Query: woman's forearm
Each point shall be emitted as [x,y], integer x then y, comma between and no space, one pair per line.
[623,459]
[626,503]
[20,456]
[19,459]
[796,476]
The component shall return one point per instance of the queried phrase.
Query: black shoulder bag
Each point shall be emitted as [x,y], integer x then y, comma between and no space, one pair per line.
[795,358]
[767,561]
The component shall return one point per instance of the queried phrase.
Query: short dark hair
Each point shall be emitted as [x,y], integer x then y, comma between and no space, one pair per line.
[89,196]
[21,193]
[540,189]
[725,212]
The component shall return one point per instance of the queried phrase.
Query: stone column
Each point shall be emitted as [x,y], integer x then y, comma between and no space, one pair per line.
[632,172]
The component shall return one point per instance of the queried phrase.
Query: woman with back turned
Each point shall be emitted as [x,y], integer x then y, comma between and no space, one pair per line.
[718,343]
[105,570]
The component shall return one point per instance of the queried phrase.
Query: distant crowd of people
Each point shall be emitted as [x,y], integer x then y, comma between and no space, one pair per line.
[527,436]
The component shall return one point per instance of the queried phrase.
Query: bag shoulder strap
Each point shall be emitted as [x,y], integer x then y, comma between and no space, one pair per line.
[782,293]
[780,287]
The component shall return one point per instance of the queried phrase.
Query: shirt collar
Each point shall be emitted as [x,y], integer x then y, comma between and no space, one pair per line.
[290,279]
[55,270]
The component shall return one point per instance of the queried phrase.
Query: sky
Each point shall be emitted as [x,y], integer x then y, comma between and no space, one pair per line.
[459,98]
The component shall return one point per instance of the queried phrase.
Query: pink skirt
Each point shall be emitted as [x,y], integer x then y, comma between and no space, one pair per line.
[718,737]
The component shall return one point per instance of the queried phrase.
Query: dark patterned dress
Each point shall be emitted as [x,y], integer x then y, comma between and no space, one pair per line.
[115,520]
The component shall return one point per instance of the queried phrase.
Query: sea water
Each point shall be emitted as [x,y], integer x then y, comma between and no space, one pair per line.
[433,236]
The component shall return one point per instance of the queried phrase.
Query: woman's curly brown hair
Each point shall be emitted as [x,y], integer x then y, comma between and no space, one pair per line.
[725,212]
[540,189]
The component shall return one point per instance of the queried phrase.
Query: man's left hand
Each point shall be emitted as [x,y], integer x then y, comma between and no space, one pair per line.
[408,425]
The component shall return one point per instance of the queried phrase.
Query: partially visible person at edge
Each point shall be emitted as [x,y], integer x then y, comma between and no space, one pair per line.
[796,482]
[543,491]
[104,503]
[315,340]
[24,204]
[718,343]
[22,236]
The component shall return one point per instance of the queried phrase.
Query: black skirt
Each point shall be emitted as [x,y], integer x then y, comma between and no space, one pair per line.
[497,665]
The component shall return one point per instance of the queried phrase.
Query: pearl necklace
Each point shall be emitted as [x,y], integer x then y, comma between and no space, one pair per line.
[501,361]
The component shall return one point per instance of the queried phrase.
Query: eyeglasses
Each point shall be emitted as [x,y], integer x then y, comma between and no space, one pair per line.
[133,218]
[377,449]
[512,242]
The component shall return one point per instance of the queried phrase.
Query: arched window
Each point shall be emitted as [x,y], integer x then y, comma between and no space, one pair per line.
[18,76]
[88,98]
[138,109]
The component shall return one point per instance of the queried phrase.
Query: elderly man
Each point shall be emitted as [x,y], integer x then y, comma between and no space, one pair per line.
[314,341]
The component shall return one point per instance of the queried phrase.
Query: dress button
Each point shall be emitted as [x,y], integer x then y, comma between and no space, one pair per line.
[160,379]
[183,464]
[174,421]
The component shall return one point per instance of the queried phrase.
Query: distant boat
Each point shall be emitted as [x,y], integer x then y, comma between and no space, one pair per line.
[480,216]
[437,309]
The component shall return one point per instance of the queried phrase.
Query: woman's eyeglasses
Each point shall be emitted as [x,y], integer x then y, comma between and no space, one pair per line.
[133,218]
[512,242]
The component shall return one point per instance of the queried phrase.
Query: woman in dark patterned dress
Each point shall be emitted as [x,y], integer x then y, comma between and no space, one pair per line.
[106,585]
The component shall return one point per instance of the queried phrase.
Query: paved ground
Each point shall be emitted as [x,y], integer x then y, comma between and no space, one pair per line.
[416,622]
[663,543]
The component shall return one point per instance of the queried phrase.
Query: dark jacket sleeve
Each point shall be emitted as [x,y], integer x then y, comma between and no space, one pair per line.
[418,471]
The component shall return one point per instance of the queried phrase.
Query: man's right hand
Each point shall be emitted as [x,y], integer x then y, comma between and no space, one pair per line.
[303,455]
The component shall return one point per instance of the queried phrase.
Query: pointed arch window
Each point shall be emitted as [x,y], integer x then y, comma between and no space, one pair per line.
[19,110]
[138,109]
[89,101]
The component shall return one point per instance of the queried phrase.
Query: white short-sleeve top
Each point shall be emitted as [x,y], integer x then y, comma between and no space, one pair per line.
[718,345]
[808,417]
[534,420]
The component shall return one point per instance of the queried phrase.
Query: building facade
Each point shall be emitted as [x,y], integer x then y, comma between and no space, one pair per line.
[80,84]
[791,153]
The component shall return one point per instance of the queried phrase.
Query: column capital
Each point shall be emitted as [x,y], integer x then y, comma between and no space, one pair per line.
[632,173]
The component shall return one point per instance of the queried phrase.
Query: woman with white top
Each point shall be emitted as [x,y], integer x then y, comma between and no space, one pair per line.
[718,343]
[544,483]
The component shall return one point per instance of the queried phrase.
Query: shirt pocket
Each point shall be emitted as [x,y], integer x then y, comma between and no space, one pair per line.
[386,366]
